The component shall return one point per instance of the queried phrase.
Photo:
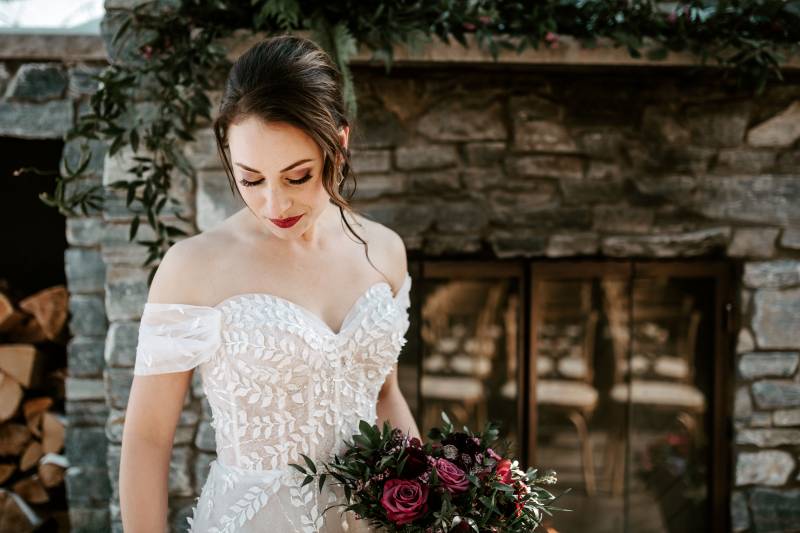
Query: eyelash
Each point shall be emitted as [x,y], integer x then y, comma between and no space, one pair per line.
[298,181]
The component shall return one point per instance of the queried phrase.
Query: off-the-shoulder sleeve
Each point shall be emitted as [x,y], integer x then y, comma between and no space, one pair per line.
[402,298]
[176,337]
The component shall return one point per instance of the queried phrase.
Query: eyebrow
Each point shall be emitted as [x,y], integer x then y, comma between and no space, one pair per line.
[290,167]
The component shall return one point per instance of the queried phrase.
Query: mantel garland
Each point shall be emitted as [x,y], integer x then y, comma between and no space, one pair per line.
[171,51]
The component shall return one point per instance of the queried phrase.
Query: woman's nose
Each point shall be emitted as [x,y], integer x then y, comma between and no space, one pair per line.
[277,202]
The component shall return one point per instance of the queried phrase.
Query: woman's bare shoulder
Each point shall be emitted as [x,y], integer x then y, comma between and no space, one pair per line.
[182,274]
[388,248]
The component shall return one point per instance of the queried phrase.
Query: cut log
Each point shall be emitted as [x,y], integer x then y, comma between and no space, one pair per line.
[16,515]
[10,318]
[34,408]
[52,433]
[6,470]
[37,405]
[31,489]
[23,362]
[52,468]
[51,475]
[28,331]
[31,455]
[10,397]
[14,439]
[50,307]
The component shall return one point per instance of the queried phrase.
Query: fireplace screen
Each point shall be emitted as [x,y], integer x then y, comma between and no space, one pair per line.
[610,373]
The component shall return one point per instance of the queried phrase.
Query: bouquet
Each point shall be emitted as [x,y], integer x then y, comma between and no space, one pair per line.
[458,482]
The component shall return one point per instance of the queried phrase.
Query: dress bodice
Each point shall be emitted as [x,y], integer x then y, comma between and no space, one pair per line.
[278,379]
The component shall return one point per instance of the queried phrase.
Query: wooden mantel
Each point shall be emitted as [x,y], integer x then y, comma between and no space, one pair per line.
[66,47]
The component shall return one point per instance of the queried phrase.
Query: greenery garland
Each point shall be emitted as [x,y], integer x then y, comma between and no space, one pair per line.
[171,50]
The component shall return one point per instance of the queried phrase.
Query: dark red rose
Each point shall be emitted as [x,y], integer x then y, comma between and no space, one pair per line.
[453,478]
[404,500]
[416,463]
[504,471]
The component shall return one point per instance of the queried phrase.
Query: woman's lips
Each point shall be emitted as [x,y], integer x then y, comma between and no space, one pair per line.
[286,222]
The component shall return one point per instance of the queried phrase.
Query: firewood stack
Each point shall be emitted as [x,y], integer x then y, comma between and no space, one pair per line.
[32,372]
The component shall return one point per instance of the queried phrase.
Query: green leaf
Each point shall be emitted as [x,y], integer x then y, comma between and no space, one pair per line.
[502,486]
[130,196]
[121,30]
[134,228]
[298,467]
[174,231]
[321,481]
[446,418]
[309,462]
[134,136]
[116,145]
[363,441]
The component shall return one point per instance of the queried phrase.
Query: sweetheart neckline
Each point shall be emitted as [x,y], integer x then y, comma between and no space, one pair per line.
[301,308]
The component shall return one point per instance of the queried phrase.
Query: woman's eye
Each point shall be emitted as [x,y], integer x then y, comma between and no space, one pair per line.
[247,183]
[301,180]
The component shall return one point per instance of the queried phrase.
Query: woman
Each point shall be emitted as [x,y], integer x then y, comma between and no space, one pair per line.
[284,308]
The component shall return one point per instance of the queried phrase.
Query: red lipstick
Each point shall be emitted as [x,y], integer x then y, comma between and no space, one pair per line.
[286,222]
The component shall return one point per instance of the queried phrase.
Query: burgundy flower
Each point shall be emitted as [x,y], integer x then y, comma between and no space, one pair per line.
[404,500]
[453,478]
[416,463]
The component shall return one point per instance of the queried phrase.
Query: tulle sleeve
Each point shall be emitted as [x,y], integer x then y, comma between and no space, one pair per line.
[403,302]
[402,297]
[176,337]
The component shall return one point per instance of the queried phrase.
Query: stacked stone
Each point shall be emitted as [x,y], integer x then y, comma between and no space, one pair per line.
[38,98]
[767,404]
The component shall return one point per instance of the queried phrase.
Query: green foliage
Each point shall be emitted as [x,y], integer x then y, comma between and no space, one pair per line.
[375,454]
[170,52]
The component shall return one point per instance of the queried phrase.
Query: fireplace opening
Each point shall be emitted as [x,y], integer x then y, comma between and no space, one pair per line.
[33,339]
[612,373]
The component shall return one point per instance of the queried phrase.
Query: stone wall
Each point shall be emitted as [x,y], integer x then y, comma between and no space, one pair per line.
[40,100]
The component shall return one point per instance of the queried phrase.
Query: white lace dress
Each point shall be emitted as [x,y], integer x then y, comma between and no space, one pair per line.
[279,382]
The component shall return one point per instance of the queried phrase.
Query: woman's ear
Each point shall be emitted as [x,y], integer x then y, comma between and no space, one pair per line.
[344,135]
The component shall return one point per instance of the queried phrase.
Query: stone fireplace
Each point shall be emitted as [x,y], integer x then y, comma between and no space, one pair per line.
[546,182]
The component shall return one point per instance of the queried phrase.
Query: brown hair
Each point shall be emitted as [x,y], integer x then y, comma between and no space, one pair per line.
[290,79]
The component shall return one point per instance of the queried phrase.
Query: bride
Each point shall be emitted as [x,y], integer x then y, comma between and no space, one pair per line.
[293,318]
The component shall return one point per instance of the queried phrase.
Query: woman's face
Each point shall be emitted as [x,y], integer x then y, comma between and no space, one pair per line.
[278,168]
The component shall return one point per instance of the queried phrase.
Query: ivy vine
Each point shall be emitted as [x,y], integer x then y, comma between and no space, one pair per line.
[170,51]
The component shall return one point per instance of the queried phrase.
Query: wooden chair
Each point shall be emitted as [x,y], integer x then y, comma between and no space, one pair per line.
[660,374]
[460,327]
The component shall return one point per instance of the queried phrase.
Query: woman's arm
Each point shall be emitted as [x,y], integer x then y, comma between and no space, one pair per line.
[392,406]
[154,408]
